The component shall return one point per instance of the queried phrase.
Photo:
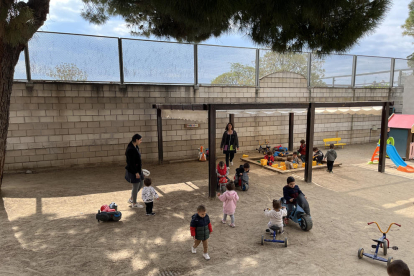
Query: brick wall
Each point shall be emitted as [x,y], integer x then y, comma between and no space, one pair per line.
[69,124]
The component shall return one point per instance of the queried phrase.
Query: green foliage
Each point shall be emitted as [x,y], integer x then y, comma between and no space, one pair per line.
[271,63]
[69,72]
[409,29]
[323,26]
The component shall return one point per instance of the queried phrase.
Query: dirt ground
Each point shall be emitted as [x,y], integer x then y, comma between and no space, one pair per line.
[48,225]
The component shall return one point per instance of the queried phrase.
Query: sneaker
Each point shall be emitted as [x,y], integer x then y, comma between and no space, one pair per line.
[232,225]
[136,206]
[193,250]
[151,214]
[206,256]
[223,221]
[267,230]
[331,172]
[130,201]
[327,170]
[231,163]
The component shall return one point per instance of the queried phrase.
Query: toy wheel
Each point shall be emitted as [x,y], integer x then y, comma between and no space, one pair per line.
[390,260]
[360,253]
[306,223]
[262,240]
[385,247]
[286,242]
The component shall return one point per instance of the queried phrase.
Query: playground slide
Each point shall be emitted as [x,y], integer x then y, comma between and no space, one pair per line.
[398,161]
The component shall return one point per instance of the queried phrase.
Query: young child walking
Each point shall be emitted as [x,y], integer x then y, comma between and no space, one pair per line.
[276,216]
[148,196]
[201,228]
[330,158]
[229,199]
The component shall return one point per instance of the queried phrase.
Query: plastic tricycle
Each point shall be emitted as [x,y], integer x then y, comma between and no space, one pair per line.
[298,215]
[264,149]
[381,242]
[275,230]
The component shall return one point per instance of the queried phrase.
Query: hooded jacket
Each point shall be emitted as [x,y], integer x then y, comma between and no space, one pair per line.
[229,199]
[133,159]
[234,141]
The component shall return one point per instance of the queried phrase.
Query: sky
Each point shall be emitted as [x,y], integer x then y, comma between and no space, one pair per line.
[387,39]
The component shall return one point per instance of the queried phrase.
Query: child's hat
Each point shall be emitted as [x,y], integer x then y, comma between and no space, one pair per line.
[290,179]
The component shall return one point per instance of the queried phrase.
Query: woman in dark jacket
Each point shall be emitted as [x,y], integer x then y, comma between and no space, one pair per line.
[229,143]
[133,173]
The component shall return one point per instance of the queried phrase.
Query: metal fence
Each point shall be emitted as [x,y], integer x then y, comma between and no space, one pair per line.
[84,58]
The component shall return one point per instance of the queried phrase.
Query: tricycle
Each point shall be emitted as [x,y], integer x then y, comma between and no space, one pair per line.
[275,230]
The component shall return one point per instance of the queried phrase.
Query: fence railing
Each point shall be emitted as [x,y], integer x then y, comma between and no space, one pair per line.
[85,58]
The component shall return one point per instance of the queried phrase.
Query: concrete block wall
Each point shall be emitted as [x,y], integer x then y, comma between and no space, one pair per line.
[74,124]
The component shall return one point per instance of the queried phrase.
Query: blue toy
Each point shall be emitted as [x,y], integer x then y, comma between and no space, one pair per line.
[275,229]
[299,216]
[381,242]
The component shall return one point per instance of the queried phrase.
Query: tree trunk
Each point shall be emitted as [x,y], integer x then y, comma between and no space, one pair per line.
[9,56]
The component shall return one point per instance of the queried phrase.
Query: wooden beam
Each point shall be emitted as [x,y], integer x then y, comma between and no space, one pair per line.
[310,127]
[383,141]
[291,125]
[212,183]
[160,142]
[351,104]
[231,119]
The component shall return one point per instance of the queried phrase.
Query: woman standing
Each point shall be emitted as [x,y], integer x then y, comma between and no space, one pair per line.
[229,143]
[133,173]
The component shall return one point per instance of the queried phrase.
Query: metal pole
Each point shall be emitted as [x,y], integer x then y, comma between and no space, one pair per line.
[309,70]
[383,141]
[27,62]
[195,64]
[333,82]
[392,72]
[354,65]
[291,125]
[212,183]
[399,78]
[310,127]
[160,142]
[121,61]
[257,78]
[231,120]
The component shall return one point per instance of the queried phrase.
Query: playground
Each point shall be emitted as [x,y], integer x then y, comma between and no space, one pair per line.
[48,224]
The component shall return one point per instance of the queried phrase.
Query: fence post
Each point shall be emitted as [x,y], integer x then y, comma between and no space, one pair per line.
[354,64]
[257,67]
[195,66]
[27,63]
[309,69]
[121,62]
[392,72]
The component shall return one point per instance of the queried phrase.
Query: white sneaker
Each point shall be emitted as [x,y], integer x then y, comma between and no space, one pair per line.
[130,201]
[231,163]
[206,256]
[136,206]
[193,250]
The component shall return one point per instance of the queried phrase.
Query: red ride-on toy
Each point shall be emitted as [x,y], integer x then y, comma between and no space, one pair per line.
[109,213]
[381,242]
[222,184]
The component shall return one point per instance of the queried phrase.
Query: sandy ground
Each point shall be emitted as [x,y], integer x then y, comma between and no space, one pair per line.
[48,226]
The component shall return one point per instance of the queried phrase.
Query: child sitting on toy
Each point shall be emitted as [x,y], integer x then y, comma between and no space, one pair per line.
[222,171]
[292,194]
[330,156]
[269,157]
[296,159]
[201,228]
[241,178]
[276,216]
[398,268]
[229,199]
[289,163]
[317,155]
[302,150]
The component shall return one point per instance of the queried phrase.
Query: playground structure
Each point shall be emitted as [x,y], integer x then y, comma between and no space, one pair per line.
[402,129]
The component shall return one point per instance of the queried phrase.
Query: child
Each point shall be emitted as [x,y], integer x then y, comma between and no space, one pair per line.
[296,159]
[269,157]
[200,228]
[330,156]
[242,177]
[292,193]
[229,199]
[222,171]
[148,195]
[276,215]
[317,155]
[398,268]
[302,150]
[289,163]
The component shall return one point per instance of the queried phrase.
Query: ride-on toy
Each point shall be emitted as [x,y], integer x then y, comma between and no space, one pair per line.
[299,216]
[275,229]
[381,242]
[109,213]
[263,149]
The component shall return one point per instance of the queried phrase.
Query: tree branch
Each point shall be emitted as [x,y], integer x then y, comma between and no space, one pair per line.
[40,10]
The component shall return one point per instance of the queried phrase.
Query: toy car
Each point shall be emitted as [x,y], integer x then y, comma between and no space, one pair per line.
[109,213]
[298,215]
[222,184]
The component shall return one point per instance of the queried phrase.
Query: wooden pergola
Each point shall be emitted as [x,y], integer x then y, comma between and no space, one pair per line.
[213,108]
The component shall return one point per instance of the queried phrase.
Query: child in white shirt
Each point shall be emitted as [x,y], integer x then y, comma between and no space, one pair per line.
[148,195]
[276,215]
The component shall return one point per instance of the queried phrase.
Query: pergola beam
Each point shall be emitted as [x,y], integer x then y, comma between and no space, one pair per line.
[212,177]
[291,125]
[310,127]
[383,141]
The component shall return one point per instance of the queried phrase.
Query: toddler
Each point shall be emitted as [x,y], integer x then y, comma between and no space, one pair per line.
[317,155]
[296,159]
[201,228]
[222,171]
[276,215]
[269,157]
[398,268]
[330,156]
[289,163]
[242,176]
[302,150]
[229,199]
[292,193]
[148,195]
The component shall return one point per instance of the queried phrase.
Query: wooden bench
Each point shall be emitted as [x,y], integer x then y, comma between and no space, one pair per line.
[330,141]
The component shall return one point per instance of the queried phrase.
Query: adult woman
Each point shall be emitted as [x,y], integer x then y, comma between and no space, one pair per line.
[229,143]
[133,169]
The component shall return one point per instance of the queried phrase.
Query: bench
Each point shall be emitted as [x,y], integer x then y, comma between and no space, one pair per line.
[330,141]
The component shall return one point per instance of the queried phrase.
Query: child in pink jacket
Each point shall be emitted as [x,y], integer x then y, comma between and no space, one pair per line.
[229,199]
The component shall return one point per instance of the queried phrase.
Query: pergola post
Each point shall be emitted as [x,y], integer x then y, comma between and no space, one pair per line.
[212,182]
[231,119]
[383,141]
[291,124]
[310,127]
[160,144]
